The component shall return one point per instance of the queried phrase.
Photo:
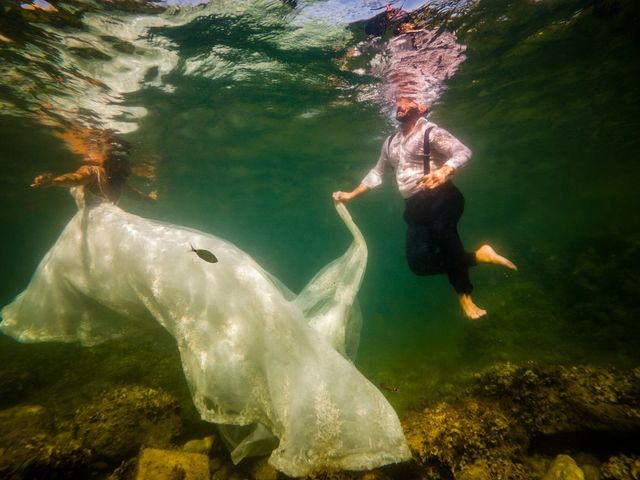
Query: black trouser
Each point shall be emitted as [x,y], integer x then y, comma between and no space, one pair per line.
[433,243]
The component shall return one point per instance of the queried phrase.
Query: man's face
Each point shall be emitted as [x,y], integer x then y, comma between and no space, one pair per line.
[406,109]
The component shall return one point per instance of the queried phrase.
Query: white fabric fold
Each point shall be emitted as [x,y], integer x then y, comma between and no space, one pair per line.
[252,354]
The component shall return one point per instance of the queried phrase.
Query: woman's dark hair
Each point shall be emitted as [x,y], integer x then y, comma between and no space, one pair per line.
[116,163]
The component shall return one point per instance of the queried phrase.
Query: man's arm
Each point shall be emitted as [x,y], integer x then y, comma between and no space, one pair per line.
[372,180]
[347,196]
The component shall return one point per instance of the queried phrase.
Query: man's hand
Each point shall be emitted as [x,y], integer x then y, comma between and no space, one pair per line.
[437,178]
[346,196]
[342,196]
[153,196]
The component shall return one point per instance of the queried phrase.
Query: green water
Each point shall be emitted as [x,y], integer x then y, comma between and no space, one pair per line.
[547,100]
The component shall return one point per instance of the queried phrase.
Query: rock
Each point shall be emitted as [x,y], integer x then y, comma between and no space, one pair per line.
[475,472]
[44,456]
[449,438]
[485,433]
[224,472]
[30,447]
[374,475]
[262,470]
[538,465]
[125,471]
[155,464]
[199,446]
[116,424]
[553,399]
[19,424]
[495,469]
[591,472]
[589,464]
[621,467]
[215,464]
[564,467]
[16,384]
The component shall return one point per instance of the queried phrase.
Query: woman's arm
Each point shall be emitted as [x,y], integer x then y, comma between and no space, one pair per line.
[79,177]
[136,194]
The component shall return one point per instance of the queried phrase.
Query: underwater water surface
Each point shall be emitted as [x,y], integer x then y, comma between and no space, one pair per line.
[249,123]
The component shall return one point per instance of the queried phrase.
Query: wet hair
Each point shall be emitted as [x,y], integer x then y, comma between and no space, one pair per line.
[116,163]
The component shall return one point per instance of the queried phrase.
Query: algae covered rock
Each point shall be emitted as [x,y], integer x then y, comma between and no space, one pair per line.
[495,470]
[262,470]
[44,457]
[551,399]
[199,446]
[19,423]
[118,422]
[477,471]
[156,464]
[621,467]
[486,433]
[450,440]
[125,471]
[30,447]
[15,384]
[591,472]
[564,467]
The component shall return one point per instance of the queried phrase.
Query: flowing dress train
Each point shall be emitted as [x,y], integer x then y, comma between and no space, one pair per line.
[253,354]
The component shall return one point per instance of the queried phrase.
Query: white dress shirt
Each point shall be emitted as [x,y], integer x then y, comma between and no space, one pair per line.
[405,156]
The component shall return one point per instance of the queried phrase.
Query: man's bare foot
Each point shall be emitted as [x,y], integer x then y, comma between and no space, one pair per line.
[486,254]
[470,309]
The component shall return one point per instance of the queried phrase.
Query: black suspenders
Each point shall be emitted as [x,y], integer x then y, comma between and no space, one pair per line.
[426,148]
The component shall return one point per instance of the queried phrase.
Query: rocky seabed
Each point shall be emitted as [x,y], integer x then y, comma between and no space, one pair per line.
[514,422]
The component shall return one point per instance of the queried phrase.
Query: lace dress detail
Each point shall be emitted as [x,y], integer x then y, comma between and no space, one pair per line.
[252,352]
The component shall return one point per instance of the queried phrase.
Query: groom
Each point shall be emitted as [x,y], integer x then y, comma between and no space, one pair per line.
[424,158]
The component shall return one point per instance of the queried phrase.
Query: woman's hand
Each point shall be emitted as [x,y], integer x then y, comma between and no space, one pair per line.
[43,180]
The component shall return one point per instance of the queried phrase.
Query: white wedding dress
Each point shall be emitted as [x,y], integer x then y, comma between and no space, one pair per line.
[253,353]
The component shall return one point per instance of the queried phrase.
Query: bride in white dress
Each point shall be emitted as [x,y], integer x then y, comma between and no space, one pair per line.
[253,353]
